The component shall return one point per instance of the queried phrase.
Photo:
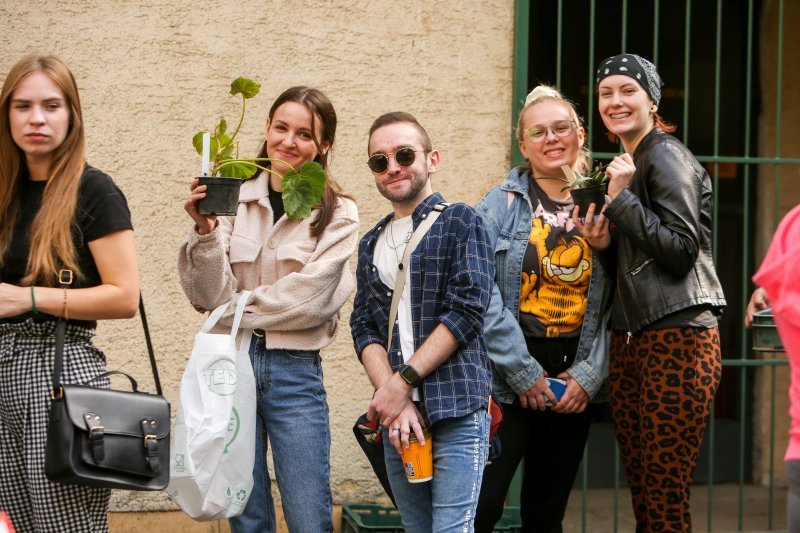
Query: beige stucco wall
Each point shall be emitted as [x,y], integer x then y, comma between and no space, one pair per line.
[152,73]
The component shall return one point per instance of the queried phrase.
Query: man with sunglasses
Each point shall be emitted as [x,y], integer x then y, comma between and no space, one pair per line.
[436,374]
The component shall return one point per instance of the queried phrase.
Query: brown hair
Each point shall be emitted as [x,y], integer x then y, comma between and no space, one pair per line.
[542,93]
[399,116]
[658,122]
[51,244]
[321,107]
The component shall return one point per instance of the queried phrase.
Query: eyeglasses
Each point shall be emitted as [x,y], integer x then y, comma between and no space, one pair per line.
[562,129]
[405,157]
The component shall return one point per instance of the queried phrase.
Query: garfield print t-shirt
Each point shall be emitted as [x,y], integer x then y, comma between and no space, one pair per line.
[556,270]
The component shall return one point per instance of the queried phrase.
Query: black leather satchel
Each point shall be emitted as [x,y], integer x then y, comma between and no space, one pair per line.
[107,438]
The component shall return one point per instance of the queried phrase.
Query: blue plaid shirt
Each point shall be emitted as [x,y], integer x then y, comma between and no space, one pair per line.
[450,280]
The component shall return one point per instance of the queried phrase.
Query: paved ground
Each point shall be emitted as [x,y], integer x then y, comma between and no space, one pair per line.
[599,514]
[755,510]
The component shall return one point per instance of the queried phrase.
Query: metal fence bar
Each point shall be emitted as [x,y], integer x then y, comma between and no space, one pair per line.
[770,501]
[624,43]
[745,282]
[742,362]
[655,31]
[521,60]
[714,231]
[686,62]
[778,105]
[590,79]
[742,441]
[559,43]
[717,81]
[726,159]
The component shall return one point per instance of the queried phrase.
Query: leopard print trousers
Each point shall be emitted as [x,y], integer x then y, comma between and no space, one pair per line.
[663,384]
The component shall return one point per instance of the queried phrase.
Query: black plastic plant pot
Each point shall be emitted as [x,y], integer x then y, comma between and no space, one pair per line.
[584,196]
[222,196]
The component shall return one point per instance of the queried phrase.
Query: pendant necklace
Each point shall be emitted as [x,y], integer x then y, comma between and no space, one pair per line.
[394,245]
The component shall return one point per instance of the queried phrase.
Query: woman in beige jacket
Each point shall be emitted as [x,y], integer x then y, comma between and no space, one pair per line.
[298,272]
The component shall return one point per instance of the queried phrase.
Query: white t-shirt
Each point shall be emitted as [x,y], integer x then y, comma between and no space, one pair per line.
[389,249]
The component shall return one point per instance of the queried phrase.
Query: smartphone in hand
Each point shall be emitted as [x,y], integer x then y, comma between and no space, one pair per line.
[558,386]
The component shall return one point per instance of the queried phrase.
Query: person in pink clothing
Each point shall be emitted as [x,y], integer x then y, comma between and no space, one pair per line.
[780,288]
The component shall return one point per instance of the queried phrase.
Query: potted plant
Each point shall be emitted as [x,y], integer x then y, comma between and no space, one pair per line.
[223,170]
[586,190]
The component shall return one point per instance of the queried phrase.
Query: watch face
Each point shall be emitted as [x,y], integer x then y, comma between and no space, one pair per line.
[410,375]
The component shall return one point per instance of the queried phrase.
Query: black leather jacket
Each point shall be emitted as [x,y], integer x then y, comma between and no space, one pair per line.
[662,236]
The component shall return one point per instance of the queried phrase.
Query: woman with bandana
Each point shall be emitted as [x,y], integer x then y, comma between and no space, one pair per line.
[655,234]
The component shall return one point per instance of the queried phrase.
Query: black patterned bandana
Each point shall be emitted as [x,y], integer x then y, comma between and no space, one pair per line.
[633,66]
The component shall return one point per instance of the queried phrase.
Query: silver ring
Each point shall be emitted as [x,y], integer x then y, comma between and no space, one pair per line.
[397,429]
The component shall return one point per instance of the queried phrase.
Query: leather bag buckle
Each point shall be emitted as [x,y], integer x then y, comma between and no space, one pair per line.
[96,435]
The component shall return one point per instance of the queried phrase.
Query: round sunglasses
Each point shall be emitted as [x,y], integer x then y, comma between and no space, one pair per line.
[405,157]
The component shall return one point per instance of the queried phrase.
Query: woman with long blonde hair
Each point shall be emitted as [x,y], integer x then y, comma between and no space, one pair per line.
[60,220]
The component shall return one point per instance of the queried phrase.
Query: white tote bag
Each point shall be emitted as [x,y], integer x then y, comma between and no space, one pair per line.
[213,442]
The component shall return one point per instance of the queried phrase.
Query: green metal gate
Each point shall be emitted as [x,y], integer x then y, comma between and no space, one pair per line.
[728,101]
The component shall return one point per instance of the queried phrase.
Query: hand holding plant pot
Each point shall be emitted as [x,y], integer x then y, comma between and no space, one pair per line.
[587,190]
[223,169]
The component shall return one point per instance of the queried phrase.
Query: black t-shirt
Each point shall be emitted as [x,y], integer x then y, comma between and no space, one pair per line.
[276,201]
[556,270]
[101,209]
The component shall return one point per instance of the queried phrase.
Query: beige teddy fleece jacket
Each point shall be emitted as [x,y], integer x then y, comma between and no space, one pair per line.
[299,283]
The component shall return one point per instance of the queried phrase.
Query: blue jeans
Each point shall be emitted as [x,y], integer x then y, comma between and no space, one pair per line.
[447,502]
[292,414]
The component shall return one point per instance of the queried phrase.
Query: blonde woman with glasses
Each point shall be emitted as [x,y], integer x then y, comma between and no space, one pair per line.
[546,318]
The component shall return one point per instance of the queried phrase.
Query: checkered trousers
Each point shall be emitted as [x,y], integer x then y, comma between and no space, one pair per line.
[35,503]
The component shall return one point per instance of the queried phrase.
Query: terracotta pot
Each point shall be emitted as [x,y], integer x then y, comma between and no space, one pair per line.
[222,196]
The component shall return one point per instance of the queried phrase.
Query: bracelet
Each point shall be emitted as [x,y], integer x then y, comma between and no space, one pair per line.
[66,315]
[33,302]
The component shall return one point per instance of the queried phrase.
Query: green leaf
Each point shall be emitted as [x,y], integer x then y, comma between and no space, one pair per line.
[244,86]
[234,168]
[303,190]
[197,142]
[221,127]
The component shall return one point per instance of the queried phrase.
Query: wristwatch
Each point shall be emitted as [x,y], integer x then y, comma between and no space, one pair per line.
[410,375]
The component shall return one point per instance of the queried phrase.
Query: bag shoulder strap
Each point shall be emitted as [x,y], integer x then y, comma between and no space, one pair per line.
[400,282]
[149,343]
[61,333]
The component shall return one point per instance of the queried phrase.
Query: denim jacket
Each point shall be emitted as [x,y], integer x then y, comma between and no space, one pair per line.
[450,278]
[506,212]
